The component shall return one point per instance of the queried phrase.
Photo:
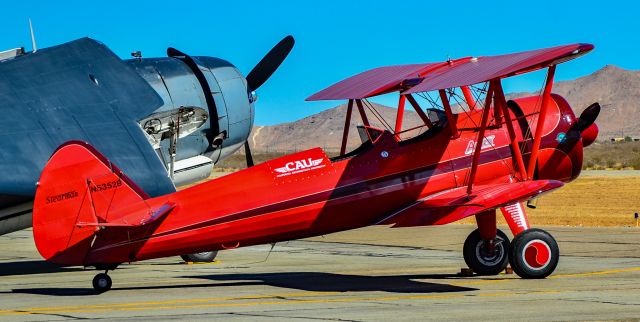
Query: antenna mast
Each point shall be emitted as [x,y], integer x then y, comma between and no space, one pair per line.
[33,37]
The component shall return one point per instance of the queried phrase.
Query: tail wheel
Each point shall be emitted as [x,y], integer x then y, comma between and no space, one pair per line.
[534,254]
[102,283]
[484,258]
[204,257]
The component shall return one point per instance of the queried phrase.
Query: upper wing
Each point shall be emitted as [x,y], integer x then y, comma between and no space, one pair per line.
[452,205]
[369,83]
[448,74]
[482,69]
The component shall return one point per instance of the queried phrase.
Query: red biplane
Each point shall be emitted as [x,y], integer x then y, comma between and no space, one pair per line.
[475,152]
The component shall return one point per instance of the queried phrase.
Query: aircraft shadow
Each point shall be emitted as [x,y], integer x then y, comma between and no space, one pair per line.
[33,267]
[305,281]
[329,282]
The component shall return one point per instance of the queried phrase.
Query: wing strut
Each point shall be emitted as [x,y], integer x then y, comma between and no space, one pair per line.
[468,97]
[480,139]
[345,133]
[447,110]
[501,103]
[363,115]
[541,118]
[418,110]
[365,120]
[400,115]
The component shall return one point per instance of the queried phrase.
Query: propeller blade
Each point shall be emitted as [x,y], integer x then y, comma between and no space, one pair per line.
[588,116]
[247,153]
[271,61]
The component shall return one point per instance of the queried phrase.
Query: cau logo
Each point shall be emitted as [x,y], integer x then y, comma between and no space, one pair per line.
[488,142]
[299,166]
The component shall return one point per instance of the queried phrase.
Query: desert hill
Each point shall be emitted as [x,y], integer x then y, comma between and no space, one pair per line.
[618,92]
[322,130]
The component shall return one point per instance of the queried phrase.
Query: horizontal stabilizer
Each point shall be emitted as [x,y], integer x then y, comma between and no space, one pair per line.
[452,205]
[135,219]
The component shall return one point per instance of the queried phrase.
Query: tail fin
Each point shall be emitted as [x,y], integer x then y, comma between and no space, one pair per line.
[78,189]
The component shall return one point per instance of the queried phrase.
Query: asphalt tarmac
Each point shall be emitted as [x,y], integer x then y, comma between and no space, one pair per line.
[371,274]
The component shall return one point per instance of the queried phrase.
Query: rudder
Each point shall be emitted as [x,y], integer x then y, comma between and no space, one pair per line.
[78,188]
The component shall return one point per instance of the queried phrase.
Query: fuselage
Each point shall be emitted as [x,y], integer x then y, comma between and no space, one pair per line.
[307,194]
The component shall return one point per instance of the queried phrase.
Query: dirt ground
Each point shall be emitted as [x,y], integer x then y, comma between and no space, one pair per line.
[591,201]
[595,199]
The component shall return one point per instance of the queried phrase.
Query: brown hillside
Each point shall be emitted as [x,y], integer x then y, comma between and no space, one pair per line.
[321,130]
[618,92]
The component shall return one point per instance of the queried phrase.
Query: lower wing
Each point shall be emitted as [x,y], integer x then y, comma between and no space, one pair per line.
[455,204]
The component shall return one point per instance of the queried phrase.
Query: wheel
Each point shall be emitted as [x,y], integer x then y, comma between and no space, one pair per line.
[479,257]
[102,283]
[534,254]
[200,257]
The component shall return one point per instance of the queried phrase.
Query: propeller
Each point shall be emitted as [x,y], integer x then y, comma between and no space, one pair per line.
[247,153]
[585,126]
[268,65]
[588,117]
[262,71]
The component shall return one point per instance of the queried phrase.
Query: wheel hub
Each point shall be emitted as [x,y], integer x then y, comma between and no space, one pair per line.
[102,282]
[488,254]
[537,254]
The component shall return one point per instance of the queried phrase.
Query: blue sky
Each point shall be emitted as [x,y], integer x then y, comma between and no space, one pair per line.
[335,39]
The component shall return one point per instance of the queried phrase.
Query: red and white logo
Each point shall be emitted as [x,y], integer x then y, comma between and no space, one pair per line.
[299,166]
[486,143]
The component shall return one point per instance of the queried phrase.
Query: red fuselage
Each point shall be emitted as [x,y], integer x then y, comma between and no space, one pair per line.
[307,194]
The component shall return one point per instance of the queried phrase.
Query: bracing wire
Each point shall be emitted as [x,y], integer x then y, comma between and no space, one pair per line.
[482,140]
[528,135]
[377,115]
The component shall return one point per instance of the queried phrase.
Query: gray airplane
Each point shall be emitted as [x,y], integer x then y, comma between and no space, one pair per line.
[164,121]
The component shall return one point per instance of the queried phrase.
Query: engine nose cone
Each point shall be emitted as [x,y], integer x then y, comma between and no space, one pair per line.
[589,134]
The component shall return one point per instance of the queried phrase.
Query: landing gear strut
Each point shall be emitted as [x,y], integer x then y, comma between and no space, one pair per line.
[102,282]
[534,253]
[486,257]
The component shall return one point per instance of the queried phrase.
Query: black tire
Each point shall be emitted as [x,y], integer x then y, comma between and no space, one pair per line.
[101,283]
[479,261]
[534,254]
[203,257]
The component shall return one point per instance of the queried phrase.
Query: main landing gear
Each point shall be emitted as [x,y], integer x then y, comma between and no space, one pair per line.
[533,253]
[203,257]
[486,257]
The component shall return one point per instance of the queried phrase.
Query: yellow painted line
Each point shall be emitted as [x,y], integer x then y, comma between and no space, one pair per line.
[606,272]
[485,281]
[108,308]
[247,297]
[203,263]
